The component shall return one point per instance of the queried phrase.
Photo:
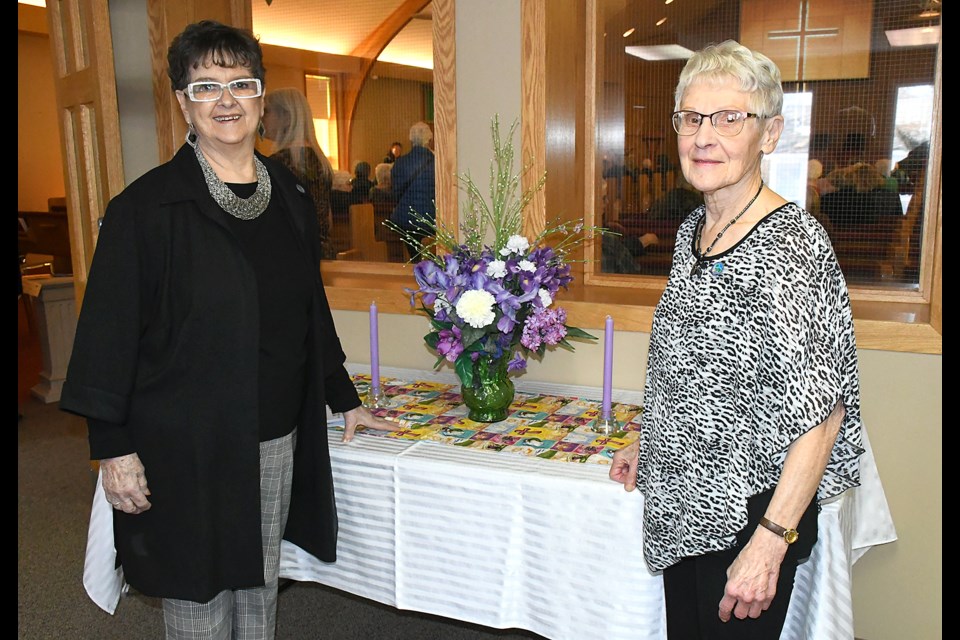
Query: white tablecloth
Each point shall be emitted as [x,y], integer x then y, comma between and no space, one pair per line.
[507,541]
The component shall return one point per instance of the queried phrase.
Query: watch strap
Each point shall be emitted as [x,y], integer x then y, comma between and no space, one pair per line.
[789,535]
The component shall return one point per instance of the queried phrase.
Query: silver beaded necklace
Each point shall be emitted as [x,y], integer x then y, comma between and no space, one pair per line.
[242,208]
[700,258]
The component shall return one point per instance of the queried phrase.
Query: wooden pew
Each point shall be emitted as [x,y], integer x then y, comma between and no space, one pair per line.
[363,242]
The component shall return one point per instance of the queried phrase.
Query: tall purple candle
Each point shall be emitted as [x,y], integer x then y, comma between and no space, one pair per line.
[607,367]
[374,350]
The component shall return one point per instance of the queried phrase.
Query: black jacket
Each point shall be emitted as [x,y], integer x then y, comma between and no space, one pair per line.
[166,350]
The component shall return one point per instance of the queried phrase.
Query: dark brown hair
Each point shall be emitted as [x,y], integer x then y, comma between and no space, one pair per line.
[218,43]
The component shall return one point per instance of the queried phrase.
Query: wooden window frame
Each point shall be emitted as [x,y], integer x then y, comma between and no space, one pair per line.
[885,319]
[554,127]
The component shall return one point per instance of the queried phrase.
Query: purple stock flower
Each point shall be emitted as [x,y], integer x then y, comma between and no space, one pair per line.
[544,327]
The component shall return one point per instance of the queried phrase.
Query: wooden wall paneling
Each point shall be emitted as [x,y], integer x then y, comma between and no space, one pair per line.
[445,110]
[82,50]
[931,269]
[811,39]
[592,196]
[564,139]
[533,126]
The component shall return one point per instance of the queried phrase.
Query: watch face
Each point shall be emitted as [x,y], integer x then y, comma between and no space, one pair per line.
[790,535]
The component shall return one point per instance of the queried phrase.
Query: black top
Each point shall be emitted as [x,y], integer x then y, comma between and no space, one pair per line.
[167,351]
[285,294]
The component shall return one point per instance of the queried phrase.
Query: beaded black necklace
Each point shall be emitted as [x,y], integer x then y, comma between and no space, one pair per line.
[700,258]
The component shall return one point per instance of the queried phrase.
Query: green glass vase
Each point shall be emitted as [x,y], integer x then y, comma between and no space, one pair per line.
[491,393]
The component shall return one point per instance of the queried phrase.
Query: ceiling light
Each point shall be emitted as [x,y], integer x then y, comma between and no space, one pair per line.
[628,32]
[914,37]
[660,52]
[667,1]
[661,21]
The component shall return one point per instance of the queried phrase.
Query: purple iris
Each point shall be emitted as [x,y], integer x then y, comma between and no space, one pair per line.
[450,345]
[517,363]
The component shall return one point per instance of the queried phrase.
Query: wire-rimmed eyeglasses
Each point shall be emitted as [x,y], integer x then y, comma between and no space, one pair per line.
[209,91]
[726,122]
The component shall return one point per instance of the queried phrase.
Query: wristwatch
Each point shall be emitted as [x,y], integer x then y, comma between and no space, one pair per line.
[789,535]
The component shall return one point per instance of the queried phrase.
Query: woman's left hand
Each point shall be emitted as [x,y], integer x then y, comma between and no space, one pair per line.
[752,578]
[361,417]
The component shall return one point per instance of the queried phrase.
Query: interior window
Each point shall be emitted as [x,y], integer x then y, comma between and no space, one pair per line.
[858,83]
[366,70]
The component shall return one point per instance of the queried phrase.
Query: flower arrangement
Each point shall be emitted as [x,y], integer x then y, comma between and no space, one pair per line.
[491,306]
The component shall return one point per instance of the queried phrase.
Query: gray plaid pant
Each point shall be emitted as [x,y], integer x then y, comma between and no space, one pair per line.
[245,614]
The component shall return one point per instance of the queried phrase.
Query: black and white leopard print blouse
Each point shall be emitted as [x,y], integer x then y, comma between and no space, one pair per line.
[746,354]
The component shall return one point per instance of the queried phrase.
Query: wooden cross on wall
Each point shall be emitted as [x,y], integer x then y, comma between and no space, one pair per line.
[810,39]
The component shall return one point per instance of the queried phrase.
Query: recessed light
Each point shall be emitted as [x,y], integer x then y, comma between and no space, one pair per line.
[915,37]
[660,52]
[628,32]
[661,21]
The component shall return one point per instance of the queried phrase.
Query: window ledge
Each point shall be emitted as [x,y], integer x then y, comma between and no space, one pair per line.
[883,326]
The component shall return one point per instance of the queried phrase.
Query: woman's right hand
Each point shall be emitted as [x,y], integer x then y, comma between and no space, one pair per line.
[125,483]
[624,466]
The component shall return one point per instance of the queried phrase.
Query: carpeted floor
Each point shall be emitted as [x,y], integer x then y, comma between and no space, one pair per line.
[55,484]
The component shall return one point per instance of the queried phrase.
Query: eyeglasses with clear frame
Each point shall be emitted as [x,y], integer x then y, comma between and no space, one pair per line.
[726,122]
[210,91]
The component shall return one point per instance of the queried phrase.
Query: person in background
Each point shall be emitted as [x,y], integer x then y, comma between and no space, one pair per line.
[382,189]
[414,186]
[382,198]
[396,150]
[361,183]
[752,398]
[205,359]
[288,122]
[340,196]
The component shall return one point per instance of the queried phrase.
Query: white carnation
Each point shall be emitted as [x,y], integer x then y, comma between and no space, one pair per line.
[545,298]
[526,265]
[476,308]
[497,269]
[515,244]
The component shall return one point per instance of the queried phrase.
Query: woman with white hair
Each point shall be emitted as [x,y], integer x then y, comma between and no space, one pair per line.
[288,121]
[413,182]
[752,401]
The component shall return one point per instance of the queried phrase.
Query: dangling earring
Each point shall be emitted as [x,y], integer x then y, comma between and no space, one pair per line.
[261,130]
[191,137]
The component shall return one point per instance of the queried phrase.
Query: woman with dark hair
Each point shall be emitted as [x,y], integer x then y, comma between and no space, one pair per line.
[361,183]
[205,357]
[288,121]
[396,150]
[752,400]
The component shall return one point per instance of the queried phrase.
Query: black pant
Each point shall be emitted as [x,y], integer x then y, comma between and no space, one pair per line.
[694,586]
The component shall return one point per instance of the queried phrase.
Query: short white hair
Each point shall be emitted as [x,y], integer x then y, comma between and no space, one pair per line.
[757,74]
[382,173]
[420,134]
